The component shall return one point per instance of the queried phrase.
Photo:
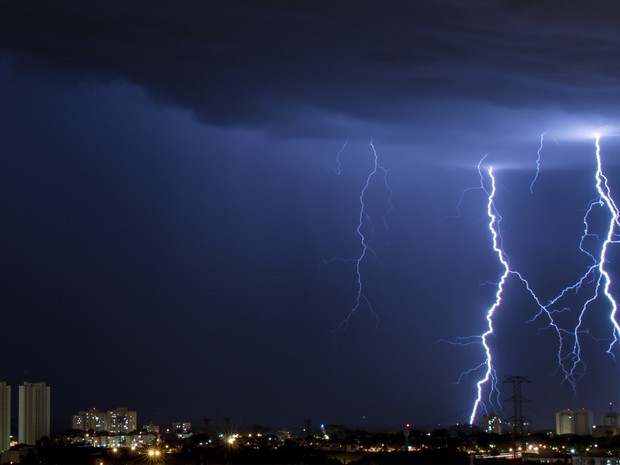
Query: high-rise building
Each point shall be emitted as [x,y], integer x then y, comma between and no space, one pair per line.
[5,416]
[583,422]
[611,420]
[574,422]
[564,423]
[34,412]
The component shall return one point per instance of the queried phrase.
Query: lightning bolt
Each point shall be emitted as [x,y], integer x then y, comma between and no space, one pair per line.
[604,278]
[569,351]
[494,221]
[539,159]
[337,169]
[542,140]
[596,275]
[489,377]
[364,222]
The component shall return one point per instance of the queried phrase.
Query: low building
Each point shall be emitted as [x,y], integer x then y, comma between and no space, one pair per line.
[610,426]
[181,426]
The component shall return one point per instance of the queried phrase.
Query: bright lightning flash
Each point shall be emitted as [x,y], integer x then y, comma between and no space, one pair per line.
[569,352]
[490,376]
[611,238]
[494,220]
[569,345]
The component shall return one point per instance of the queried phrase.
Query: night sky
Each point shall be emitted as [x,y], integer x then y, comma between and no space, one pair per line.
[173,189]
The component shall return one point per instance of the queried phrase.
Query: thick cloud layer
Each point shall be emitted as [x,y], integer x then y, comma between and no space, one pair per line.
[271,64]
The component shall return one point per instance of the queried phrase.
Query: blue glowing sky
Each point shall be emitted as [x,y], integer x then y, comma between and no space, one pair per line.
[170,199]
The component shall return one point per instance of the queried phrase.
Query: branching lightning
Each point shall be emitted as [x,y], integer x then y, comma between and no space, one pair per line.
[611,238]
[490,376]
[538,159]
[494,220]
[365,222]
[596,276]
[569,351]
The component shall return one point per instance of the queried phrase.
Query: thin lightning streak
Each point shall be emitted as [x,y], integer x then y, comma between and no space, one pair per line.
[539,158]
[364,220]
[473,188]
[337,169]
[542,139]
[569,354]
[361,296]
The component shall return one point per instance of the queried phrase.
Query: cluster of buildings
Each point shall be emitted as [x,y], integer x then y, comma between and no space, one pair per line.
[111,428]
[119,420]
[580,422]
[119,427]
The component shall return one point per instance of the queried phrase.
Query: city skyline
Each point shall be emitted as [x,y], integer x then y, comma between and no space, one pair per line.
[120,420]
[272,211]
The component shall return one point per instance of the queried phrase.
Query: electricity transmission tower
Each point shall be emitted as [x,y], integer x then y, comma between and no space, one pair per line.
[517,419]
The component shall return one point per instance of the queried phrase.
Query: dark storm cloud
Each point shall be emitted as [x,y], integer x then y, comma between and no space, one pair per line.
[270,64]
[196,229]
